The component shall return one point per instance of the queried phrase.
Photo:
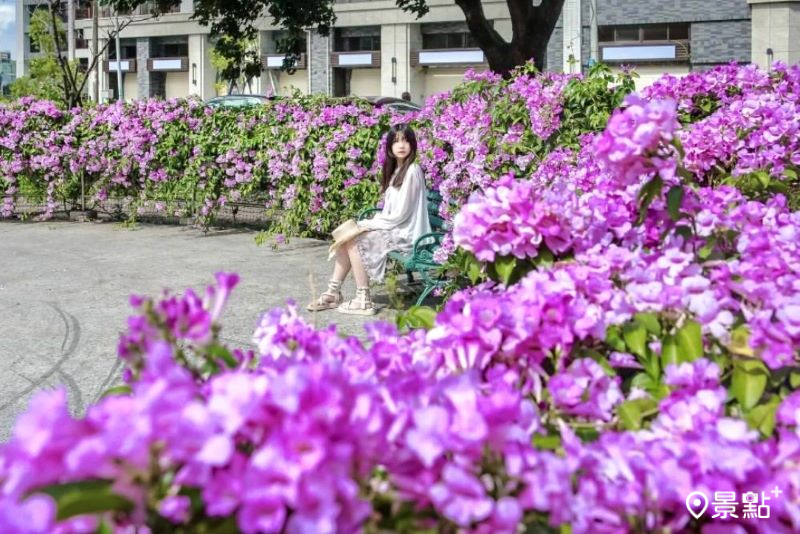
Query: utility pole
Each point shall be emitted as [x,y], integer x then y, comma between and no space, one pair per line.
[594,52]
[120,88]
[71,30]
[95,50]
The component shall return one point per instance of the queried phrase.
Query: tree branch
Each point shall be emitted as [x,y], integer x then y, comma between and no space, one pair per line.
[546,15]
[66,78]
[96,55]
[480,28]
[520,11]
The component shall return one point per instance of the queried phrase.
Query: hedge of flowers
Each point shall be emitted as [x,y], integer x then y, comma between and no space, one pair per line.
[630,335]
[313,160]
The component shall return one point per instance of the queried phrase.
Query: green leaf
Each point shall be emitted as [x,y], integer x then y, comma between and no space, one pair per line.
[643,381]
[794,380]
[647,194]
[706,250]
[632,412]
[122,389]
[601,360]
[87,497]
[221,353]
[614,339]
[763,178]
[227,525]
[635,336]
[749,381]
[690,342]
[686,174]
[417,317]
[474,270]
[740,342]
[504,266]
[546,442]
[762,417]
[669,351]
[104,528]
[674,199]
[650,322]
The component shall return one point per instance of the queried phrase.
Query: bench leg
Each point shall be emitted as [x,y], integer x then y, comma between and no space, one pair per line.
[425,292]
[410,277]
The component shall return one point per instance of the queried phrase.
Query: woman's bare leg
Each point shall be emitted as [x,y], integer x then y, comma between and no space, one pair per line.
[362,303]
[359,273]
[342,265]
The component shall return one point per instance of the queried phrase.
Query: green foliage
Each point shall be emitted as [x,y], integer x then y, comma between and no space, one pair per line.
[88,497]
[44,80]
[236,61]
[48,79]
[761,185]
[589,102]
[416,317]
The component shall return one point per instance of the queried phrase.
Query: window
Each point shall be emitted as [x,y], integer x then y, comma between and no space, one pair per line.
[656,32]
[432,41]
[175,50]
[128,51]
[33,46]
[644,33]
[605,34]
[679,31]
[344,43]
[279,36]
[627,33]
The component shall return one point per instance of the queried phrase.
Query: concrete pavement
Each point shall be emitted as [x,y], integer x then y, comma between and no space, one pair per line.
[64,289]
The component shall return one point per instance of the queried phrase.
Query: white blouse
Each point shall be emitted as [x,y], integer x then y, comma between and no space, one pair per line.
[405,209]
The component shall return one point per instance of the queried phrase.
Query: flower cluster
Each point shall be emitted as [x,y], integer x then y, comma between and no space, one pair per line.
[508,220]
[634,135]
[328,434]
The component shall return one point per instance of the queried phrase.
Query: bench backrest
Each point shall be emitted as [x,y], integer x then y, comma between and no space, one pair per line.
[434,200]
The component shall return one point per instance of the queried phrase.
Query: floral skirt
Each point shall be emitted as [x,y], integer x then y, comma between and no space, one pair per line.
[374,247]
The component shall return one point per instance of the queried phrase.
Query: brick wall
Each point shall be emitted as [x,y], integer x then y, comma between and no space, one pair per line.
[618,12]
[720,42]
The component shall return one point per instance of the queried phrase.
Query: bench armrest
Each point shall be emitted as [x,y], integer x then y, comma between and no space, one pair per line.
[367,213]
[425,246]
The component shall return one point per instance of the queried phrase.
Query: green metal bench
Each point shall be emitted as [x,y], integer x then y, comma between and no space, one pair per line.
[420,258]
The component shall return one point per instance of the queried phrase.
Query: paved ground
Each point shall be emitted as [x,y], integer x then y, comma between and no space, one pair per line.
[64,290]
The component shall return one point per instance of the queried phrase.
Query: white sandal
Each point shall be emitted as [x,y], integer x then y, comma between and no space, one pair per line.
[329,300]
[361,305]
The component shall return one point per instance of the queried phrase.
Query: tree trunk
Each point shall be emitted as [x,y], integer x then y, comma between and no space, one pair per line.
[531,26]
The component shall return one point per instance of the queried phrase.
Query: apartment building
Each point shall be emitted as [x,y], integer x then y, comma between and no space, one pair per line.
[7,72]
[377,49]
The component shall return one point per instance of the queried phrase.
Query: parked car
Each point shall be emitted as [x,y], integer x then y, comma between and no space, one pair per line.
[238,101]
[397,104]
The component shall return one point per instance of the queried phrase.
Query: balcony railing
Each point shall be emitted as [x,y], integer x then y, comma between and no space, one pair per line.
[447,57]
[144,9]
[646,52]
[368,59]
[83,12]
[168,64]
[125,65]
[275,61]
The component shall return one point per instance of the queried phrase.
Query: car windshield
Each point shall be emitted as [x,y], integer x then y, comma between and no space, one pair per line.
[232,101]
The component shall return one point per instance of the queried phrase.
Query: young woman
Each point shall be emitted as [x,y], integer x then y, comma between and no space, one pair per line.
[403,219]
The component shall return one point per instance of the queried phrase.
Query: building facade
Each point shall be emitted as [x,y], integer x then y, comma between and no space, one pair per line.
[8,72]
[377,49]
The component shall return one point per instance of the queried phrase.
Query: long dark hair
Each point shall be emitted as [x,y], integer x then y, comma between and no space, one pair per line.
[390,162]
